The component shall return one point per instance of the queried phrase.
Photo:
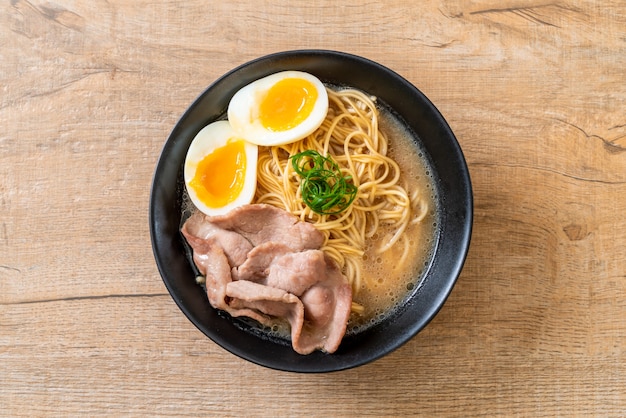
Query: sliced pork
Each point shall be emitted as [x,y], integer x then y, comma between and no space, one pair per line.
[262,223]
[327,306]
[213,264]
[258,260]
[265,304]
[199,232]
[264,263]
[273,264]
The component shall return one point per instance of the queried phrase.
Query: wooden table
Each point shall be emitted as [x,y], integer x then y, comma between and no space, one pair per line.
[536,94]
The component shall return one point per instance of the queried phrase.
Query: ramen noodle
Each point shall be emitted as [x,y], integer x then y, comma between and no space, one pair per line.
[382,240]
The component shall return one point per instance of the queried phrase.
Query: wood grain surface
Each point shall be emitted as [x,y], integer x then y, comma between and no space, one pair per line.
[534,90]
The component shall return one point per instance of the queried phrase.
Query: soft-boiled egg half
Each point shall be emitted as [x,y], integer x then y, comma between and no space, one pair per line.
[220,169]
[279,109]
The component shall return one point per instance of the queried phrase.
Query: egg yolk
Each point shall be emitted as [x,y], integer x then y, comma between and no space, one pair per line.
[287,103]
[220,175]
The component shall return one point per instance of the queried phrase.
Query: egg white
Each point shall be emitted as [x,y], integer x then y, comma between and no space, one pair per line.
[211,137]
[243,111]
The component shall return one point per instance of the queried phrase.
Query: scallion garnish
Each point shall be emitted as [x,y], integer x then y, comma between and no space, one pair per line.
[324,188]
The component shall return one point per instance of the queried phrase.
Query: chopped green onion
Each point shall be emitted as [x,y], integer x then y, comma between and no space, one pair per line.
[323,187]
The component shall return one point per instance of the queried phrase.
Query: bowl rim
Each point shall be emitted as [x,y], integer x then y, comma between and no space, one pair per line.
[458,223]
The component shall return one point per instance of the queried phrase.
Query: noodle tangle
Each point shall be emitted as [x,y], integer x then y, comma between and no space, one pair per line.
[382,209]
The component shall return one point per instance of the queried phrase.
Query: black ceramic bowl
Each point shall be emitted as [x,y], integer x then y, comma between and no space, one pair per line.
[451,179]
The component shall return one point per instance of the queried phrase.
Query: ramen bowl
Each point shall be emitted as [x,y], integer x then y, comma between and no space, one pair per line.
[454,219]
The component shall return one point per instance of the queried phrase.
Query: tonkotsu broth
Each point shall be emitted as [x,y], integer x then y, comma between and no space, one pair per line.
[386,282]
